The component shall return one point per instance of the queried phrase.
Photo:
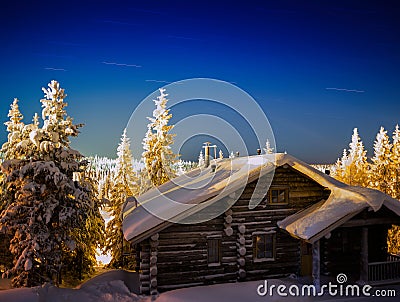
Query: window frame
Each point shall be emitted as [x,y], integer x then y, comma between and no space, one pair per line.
[273,249]
[286,194]
[218,253]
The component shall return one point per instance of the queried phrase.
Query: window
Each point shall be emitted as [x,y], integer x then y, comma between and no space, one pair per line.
[214,251]
[263,246]
[279,196]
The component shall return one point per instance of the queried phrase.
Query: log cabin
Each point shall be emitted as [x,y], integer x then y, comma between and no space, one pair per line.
[259,217]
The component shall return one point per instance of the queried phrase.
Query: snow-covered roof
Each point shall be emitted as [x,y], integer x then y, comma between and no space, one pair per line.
[343,203]
[190,193]
[198,189]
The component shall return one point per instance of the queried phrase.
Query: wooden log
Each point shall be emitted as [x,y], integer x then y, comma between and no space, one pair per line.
[153,271]
[316,263]
[144,255]
[241,261]
[184,268]
[195,232]
[155,237]
[242,251]
[228,219]
[364,255]
[144,289]
[154,244]
[229,231]
[242,240]
[242,229]
[228,259]
[242,273]
[153,282]
[143,277]
[229,212]
[184,258]
[144,266]
[153,260]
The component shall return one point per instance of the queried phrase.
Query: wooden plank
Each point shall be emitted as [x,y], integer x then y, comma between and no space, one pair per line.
[370,221]
[364,255]
[316,265]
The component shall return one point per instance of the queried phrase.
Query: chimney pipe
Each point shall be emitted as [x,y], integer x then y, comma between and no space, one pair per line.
[206,154]
[258,151]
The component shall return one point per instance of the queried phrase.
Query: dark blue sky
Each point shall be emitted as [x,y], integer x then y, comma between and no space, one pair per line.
[283,53]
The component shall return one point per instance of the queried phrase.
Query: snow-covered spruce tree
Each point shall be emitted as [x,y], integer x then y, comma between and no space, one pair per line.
[124,185]
[395,163]
[394,233]
[102,170]
[89,237]
[356,169]
[181,169]
[340,167]
[201,159]
[45,211]
[352,168]
[158,156]
[268,149]
[15,129]
[380,177]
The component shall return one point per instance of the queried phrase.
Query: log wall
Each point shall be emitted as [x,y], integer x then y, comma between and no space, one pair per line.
[181,252]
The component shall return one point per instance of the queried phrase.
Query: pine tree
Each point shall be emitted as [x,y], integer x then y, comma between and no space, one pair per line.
[395,163]
[124,186]
[201,159]
[180,168]
[158,156]
[50,218]
[394,232]
[380,174]
[357,165]
[352,168]
[15,129]
[340,167]
[268,149]
[337,171]
[15,123]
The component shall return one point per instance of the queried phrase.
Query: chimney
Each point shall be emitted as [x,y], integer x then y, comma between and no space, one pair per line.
[258,151]
[206,154]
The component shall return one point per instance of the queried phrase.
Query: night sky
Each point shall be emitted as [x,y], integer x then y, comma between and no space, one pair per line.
[317,68]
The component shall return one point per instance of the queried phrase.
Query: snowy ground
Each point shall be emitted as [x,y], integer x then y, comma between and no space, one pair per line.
[111,286]
[247,291]
[118,286]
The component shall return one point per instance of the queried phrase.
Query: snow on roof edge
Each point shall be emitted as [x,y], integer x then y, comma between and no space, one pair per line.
[343,201]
